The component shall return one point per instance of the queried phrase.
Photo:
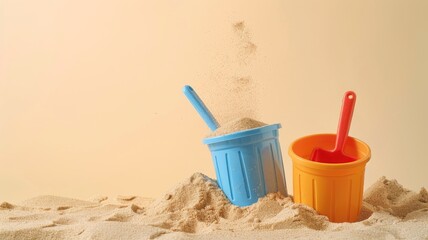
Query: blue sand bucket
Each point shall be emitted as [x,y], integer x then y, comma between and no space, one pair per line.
[248,164]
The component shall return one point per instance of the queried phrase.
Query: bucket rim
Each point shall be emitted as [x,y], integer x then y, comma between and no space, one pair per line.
[243,133]
[320,165]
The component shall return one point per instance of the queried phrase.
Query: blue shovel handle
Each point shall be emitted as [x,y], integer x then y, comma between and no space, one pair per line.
[200,107]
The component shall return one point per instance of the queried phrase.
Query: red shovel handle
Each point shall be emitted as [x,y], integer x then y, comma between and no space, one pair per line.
[345,119]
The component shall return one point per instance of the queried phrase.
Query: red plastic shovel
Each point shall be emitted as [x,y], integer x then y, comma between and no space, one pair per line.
[336,155]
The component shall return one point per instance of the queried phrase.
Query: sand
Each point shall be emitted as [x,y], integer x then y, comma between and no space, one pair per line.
[237,125]
[230,89]
[197,209]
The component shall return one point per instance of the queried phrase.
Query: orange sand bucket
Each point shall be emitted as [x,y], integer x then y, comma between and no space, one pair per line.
[332,189]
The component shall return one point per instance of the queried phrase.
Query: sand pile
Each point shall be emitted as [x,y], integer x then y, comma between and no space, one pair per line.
[197,209]
[198,205]
[193,205]
[236,125]
[390,196]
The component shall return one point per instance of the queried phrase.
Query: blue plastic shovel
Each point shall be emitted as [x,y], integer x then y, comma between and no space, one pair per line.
[200,107]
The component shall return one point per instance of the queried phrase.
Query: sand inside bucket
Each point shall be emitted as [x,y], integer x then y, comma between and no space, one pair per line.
[236,126]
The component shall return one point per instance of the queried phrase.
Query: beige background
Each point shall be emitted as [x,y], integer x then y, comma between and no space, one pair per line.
[91,101]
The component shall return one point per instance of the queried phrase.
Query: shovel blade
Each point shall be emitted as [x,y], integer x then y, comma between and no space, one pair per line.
[326,156]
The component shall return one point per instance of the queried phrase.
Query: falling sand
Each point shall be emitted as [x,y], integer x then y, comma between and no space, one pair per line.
[230,90]
[197,209]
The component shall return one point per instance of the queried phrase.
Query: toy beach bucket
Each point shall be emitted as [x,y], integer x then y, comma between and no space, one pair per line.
[332,189]
[248,164]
